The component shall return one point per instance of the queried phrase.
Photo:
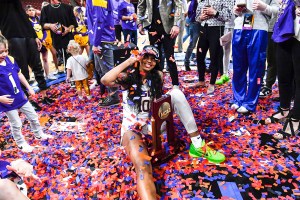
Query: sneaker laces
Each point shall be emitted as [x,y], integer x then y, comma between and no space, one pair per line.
[207,149]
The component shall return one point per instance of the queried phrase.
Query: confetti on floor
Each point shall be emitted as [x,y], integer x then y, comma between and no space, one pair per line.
[93,165]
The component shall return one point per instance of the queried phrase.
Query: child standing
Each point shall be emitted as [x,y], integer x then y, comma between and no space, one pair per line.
[76,66]
[12,99]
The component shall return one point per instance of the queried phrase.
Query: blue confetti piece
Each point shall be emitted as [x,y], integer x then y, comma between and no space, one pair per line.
[141,148]
[132,137]
[141,176]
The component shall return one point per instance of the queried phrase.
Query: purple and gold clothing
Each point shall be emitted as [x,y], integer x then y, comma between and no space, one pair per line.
[81,32]
[41,34]
[10,85]
[103,22]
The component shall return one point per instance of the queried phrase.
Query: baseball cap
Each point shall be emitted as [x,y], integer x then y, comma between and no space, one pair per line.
[148,49]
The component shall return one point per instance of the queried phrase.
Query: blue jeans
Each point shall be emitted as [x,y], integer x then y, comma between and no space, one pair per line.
[132,36]
[104,62]
[194,35]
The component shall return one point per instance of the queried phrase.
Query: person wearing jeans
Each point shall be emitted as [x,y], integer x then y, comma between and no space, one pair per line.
[194,27]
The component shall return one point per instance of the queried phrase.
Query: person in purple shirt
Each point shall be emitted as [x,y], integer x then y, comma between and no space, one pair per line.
[117,21]
[128,16]
[13,98]
[103,38]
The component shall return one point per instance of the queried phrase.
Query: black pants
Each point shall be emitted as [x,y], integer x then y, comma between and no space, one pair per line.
[288,71]
[118,31]
[209,40]
[271,60]
[25,52]
[168,43]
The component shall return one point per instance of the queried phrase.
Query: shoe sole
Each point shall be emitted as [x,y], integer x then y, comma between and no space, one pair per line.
[212,161]
[109,105]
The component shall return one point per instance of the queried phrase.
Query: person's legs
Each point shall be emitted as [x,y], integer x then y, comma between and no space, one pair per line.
[225,59]
[194,35]
[54,56]
[198,147]
[285,73]
[10,191]
[33,118]
[215,51]
[187,33]
[288,61]
[15,126]
[45,62]
[85,84]
[183,110]
[78,86]
[134,37]
[118,31]
[257,59]
[296,61]
[179,37]
[271,60]
[134,148]
[127,35]
[169,53]
[240,65]
[202,48]
[34,61]
[106,64]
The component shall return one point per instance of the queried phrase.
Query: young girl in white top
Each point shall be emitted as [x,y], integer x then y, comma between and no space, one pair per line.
[76,66]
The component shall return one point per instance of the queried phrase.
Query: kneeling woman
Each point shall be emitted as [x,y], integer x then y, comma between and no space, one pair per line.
[142,84]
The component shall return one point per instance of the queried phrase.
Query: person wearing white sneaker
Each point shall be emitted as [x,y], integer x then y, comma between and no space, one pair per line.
[243,110]
[51,77]
[13,98]
[249,45]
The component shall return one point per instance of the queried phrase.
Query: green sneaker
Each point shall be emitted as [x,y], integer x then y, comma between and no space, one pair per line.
[220,81]
[224,78]
[207,152]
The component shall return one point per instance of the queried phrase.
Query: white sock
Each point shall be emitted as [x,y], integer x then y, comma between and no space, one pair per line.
[197,141]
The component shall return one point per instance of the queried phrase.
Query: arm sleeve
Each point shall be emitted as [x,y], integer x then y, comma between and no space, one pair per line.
[98,26]
[225,13]
[272,8]
[68,65]
[121,12]
[44,18]
[198,13]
